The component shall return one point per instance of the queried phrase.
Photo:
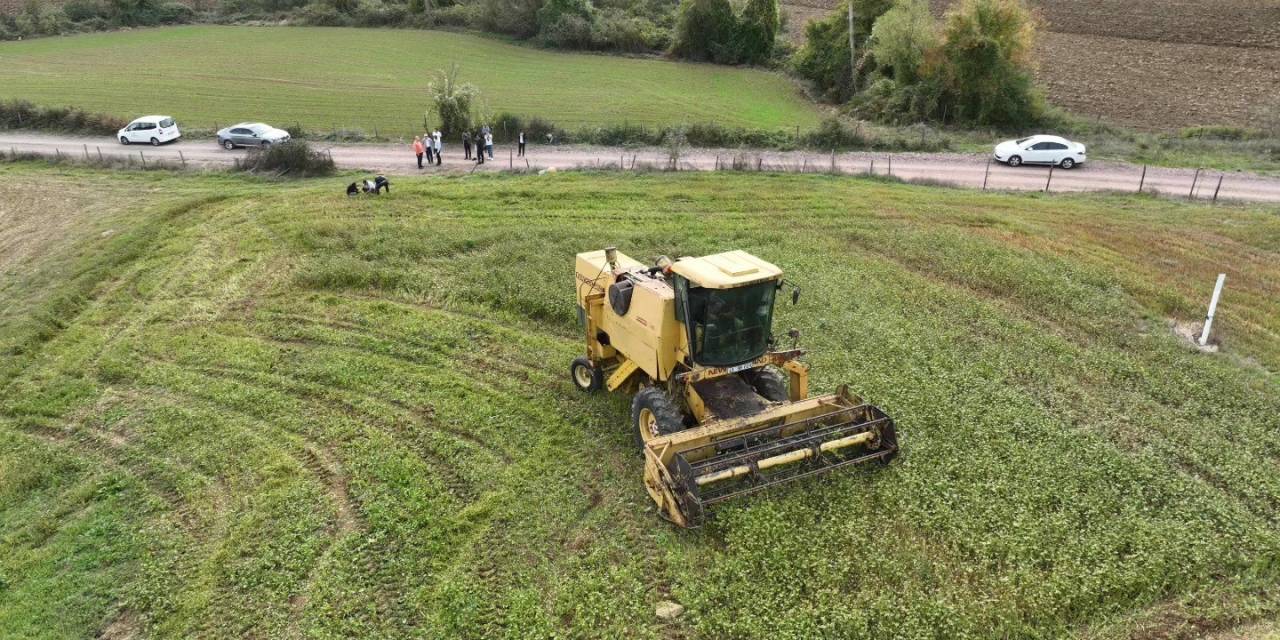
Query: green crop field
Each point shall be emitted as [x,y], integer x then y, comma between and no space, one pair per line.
[373,78]
[239,408]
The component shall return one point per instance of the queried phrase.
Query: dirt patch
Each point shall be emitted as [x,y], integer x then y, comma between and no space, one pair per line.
[124,626]
[1190,332]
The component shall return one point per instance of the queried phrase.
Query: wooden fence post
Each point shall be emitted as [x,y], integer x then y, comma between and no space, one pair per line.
[1217,189]
[1050,180]
[182,158]
[1143,179]
[987,175]
[871,171]
[99,153]
[891,165]
[144,160]
[86,153]
[1194,180]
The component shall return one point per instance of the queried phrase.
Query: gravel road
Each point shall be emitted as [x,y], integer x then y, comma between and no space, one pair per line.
[965,170]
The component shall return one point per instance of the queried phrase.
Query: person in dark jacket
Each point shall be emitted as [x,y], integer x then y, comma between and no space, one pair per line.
[353,190]
[466,145]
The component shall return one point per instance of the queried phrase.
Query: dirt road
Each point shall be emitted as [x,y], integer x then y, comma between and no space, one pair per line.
[965,170]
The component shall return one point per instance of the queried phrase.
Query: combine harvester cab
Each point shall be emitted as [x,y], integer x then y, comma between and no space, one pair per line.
[718,411]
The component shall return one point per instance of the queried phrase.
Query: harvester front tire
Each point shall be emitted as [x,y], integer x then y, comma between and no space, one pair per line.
[653,414]
[586,377]
[771,384]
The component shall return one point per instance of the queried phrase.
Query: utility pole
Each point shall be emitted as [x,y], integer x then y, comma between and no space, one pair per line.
[853,53]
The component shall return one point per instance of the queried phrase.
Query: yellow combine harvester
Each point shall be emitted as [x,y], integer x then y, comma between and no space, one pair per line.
[714,412]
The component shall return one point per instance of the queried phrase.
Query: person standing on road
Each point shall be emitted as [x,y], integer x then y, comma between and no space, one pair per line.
[520,152]
[418,149]
[439,146]
[488,144]
[466,145]
[479,148]
[426,141]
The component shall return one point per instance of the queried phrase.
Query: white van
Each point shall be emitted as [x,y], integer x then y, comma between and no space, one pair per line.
[150,129]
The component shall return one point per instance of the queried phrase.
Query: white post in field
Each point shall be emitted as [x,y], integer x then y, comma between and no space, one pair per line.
[1213,307]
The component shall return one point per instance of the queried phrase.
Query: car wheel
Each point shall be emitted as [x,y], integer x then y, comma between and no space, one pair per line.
[228,145]
[124,141]
[1067,163]
[265,143]
[1015,161]
[155,142]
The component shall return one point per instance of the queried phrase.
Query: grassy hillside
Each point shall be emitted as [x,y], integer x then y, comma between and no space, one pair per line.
[366,78]
[232,408]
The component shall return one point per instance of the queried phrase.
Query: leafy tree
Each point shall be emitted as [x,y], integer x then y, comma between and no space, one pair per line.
[825,60]
[452,101]
[986,64]
[705,30]
[757,31]
[902,38]
[417,6]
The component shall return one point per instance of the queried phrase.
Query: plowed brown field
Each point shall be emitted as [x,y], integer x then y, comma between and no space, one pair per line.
[1152,64]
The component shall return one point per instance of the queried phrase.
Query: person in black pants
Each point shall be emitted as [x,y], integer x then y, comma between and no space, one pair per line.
[520,151]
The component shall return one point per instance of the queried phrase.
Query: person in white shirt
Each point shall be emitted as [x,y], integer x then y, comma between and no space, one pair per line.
[436,137]
[520,150]
[488,144]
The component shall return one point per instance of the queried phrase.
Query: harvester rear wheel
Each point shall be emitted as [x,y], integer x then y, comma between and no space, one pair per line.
[770,383]
[654,414]
[586,376]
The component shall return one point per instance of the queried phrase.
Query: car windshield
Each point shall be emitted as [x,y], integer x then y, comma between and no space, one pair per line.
[167,122]
[1019,142]
[730,326]
[258,128]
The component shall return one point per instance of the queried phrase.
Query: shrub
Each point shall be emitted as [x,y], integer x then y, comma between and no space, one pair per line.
[323,15]
[757,31]
[1218,133]
[570,32]
[825,60]
[84,10]
[705,30]
[514,17]
[417,6]
[986,64]
[832,134]
[295,159]
[20,114]
[901,38]
[452,101]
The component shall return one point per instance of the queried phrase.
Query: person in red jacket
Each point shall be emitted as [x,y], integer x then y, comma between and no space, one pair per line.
[418,149]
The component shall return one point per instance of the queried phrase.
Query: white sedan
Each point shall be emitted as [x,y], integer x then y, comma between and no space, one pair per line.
[1049,150]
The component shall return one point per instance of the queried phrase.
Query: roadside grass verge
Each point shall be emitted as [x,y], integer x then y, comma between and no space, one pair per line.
[300,415]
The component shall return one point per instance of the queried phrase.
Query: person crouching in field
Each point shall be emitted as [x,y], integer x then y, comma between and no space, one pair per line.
[466,145]
[376,186]
[520,151]
[418,149]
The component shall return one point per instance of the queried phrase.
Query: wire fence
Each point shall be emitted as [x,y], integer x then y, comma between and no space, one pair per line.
[950,171]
